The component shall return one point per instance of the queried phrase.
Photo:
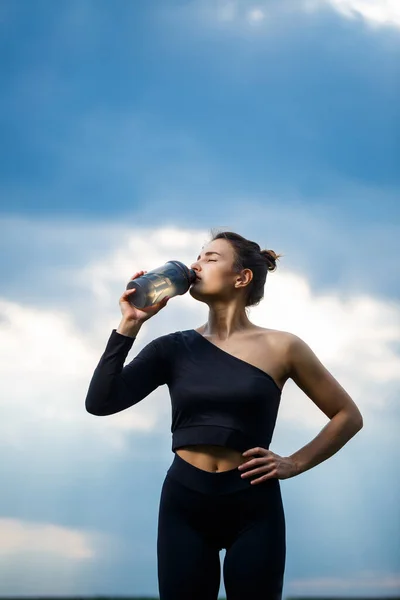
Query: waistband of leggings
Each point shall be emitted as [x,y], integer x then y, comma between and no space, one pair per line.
[207,482]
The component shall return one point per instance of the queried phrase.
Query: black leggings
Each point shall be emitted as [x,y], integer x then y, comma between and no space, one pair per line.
[202,512]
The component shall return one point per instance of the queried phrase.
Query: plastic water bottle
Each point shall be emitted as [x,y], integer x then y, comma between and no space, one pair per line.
[171,279]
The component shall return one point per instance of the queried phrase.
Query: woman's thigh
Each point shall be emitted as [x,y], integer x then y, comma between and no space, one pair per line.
[255,557]
[187,559]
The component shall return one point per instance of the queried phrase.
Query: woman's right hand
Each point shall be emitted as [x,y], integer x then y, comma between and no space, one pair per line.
[131,313]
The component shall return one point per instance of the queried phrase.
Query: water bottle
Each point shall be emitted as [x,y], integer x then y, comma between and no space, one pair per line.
[171,279]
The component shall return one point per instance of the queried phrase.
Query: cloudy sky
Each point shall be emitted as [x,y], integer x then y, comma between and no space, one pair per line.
[130,129]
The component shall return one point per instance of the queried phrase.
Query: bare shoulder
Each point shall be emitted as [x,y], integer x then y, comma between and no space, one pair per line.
[288,348]
[277,344]
[291,347]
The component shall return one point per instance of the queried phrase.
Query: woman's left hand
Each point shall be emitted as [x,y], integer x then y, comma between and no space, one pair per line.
[271,464]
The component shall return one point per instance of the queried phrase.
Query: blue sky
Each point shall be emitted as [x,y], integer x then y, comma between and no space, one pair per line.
[130,129]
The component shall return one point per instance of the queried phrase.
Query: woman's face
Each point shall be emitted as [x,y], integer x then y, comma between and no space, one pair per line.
[214,266]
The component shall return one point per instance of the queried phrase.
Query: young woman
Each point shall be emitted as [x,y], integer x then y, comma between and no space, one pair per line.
[225,380]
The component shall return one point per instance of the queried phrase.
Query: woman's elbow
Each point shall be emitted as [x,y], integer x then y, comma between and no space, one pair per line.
[95,409]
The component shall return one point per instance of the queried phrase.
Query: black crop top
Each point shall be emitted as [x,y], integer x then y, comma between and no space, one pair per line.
[216,398]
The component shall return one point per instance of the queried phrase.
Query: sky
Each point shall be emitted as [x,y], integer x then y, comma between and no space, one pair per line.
[129,130]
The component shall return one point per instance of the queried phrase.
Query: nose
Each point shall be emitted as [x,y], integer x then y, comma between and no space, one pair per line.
[194,266]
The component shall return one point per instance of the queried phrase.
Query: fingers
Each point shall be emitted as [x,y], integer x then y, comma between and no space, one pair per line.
[249,464]
[163,302]
[138,274]
[135,276]
[266,477]
[254,472]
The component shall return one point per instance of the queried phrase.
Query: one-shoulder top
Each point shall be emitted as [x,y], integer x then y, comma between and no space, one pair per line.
[216,398]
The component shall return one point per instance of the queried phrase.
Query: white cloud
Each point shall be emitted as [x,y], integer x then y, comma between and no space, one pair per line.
[48,559]
[18,536]
[375,12]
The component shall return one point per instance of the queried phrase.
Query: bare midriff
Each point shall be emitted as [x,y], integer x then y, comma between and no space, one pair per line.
[211,458]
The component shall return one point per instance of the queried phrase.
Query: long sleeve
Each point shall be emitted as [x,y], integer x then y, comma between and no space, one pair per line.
[115,387]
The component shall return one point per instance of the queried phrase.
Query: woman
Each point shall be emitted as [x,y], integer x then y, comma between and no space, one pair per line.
[225,380]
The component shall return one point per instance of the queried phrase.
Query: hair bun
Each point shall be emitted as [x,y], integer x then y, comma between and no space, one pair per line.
[271,258]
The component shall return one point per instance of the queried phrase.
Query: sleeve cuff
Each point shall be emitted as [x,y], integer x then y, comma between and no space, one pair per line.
[121,336]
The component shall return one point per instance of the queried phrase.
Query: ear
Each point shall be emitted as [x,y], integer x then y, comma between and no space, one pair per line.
[244,278]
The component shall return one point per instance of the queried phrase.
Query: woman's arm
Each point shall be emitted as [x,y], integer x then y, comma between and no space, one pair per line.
[115,387]
[324,390]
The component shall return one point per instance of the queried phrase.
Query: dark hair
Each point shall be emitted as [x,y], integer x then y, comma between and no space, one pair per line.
[248,255]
